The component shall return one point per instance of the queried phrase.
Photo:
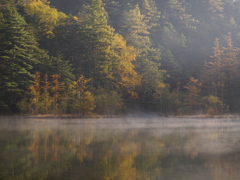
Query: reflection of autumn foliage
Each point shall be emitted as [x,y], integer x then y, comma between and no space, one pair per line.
[126,159]
[114,157]
[47,146]
[223,168]
[123,154]
[34,147]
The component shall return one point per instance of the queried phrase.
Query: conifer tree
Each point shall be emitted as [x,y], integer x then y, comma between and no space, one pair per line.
[19,53]
[134,29]
[221,74]
[46,96]
[57,88]
[94,25]
[193,87]
[147,65]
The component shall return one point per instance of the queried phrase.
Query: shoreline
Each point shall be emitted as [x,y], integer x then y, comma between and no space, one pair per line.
[136,115]
[69,116]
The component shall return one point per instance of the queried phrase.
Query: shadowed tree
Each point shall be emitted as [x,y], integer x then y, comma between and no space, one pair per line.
[19,54]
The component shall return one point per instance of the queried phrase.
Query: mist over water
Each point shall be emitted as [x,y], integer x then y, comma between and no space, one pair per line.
[116,148]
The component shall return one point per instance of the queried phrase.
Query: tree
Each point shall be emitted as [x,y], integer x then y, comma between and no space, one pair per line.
[135,31]
[213,105]
[46,96]
[19,54]
[151,14]
[216,8]
[44,16]
[88,104]
[175,11]
[86,41]
[35,91]
[108,102]
[220,74]
[124,71]
[79,99]
[193,87]
[171,39]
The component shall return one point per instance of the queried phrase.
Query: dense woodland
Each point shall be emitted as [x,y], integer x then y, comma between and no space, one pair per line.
[112,57]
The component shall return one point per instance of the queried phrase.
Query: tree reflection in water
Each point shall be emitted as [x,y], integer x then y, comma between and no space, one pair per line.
[81,150]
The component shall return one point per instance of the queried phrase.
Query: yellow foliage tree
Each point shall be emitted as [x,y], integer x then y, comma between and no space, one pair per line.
[82,100]
[128,78]
[213,105]
[87,104]
[46,95]
[48,17]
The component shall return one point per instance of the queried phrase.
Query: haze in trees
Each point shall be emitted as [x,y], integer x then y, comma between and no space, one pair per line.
[133,55]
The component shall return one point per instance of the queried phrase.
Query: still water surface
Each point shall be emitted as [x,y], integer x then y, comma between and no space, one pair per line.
[119,149]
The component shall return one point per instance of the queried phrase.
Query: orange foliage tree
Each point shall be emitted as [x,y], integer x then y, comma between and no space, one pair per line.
[193,87]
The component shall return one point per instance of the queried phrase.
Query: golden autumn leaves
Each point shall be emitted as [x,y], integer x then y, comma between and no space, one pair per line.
[56,98]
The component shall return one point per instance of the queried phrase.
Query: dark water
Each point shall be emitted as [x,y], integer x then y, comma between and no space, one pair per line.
[119,149]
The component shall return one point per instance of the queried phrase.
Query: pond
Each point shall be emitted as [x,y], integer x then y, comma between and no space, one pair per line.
[119,148]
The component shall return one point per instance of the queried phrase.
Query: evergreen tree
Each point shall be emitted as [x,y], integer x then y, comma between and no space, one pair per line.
[85,41]
[19,53]
[222,73]
[93,19]
[135,30]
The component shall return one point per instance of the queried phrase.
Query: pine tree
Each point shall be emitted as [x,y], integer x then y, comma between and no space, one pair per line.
[221,74]
[147,65]
[18,55]
[94,25]
[134,29]
[193,87]
[57,88]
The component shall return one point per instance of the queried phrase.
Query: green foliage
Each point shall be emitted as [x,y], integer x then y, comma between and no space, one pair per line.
[79,100]
[158,45]
[19,54]
[169,102]
[108,102]
[171,38]
[214,106]
[134,29]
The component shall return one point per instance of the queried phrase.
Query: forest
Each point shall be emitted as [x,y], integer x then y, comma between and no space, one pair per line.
[112,57]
